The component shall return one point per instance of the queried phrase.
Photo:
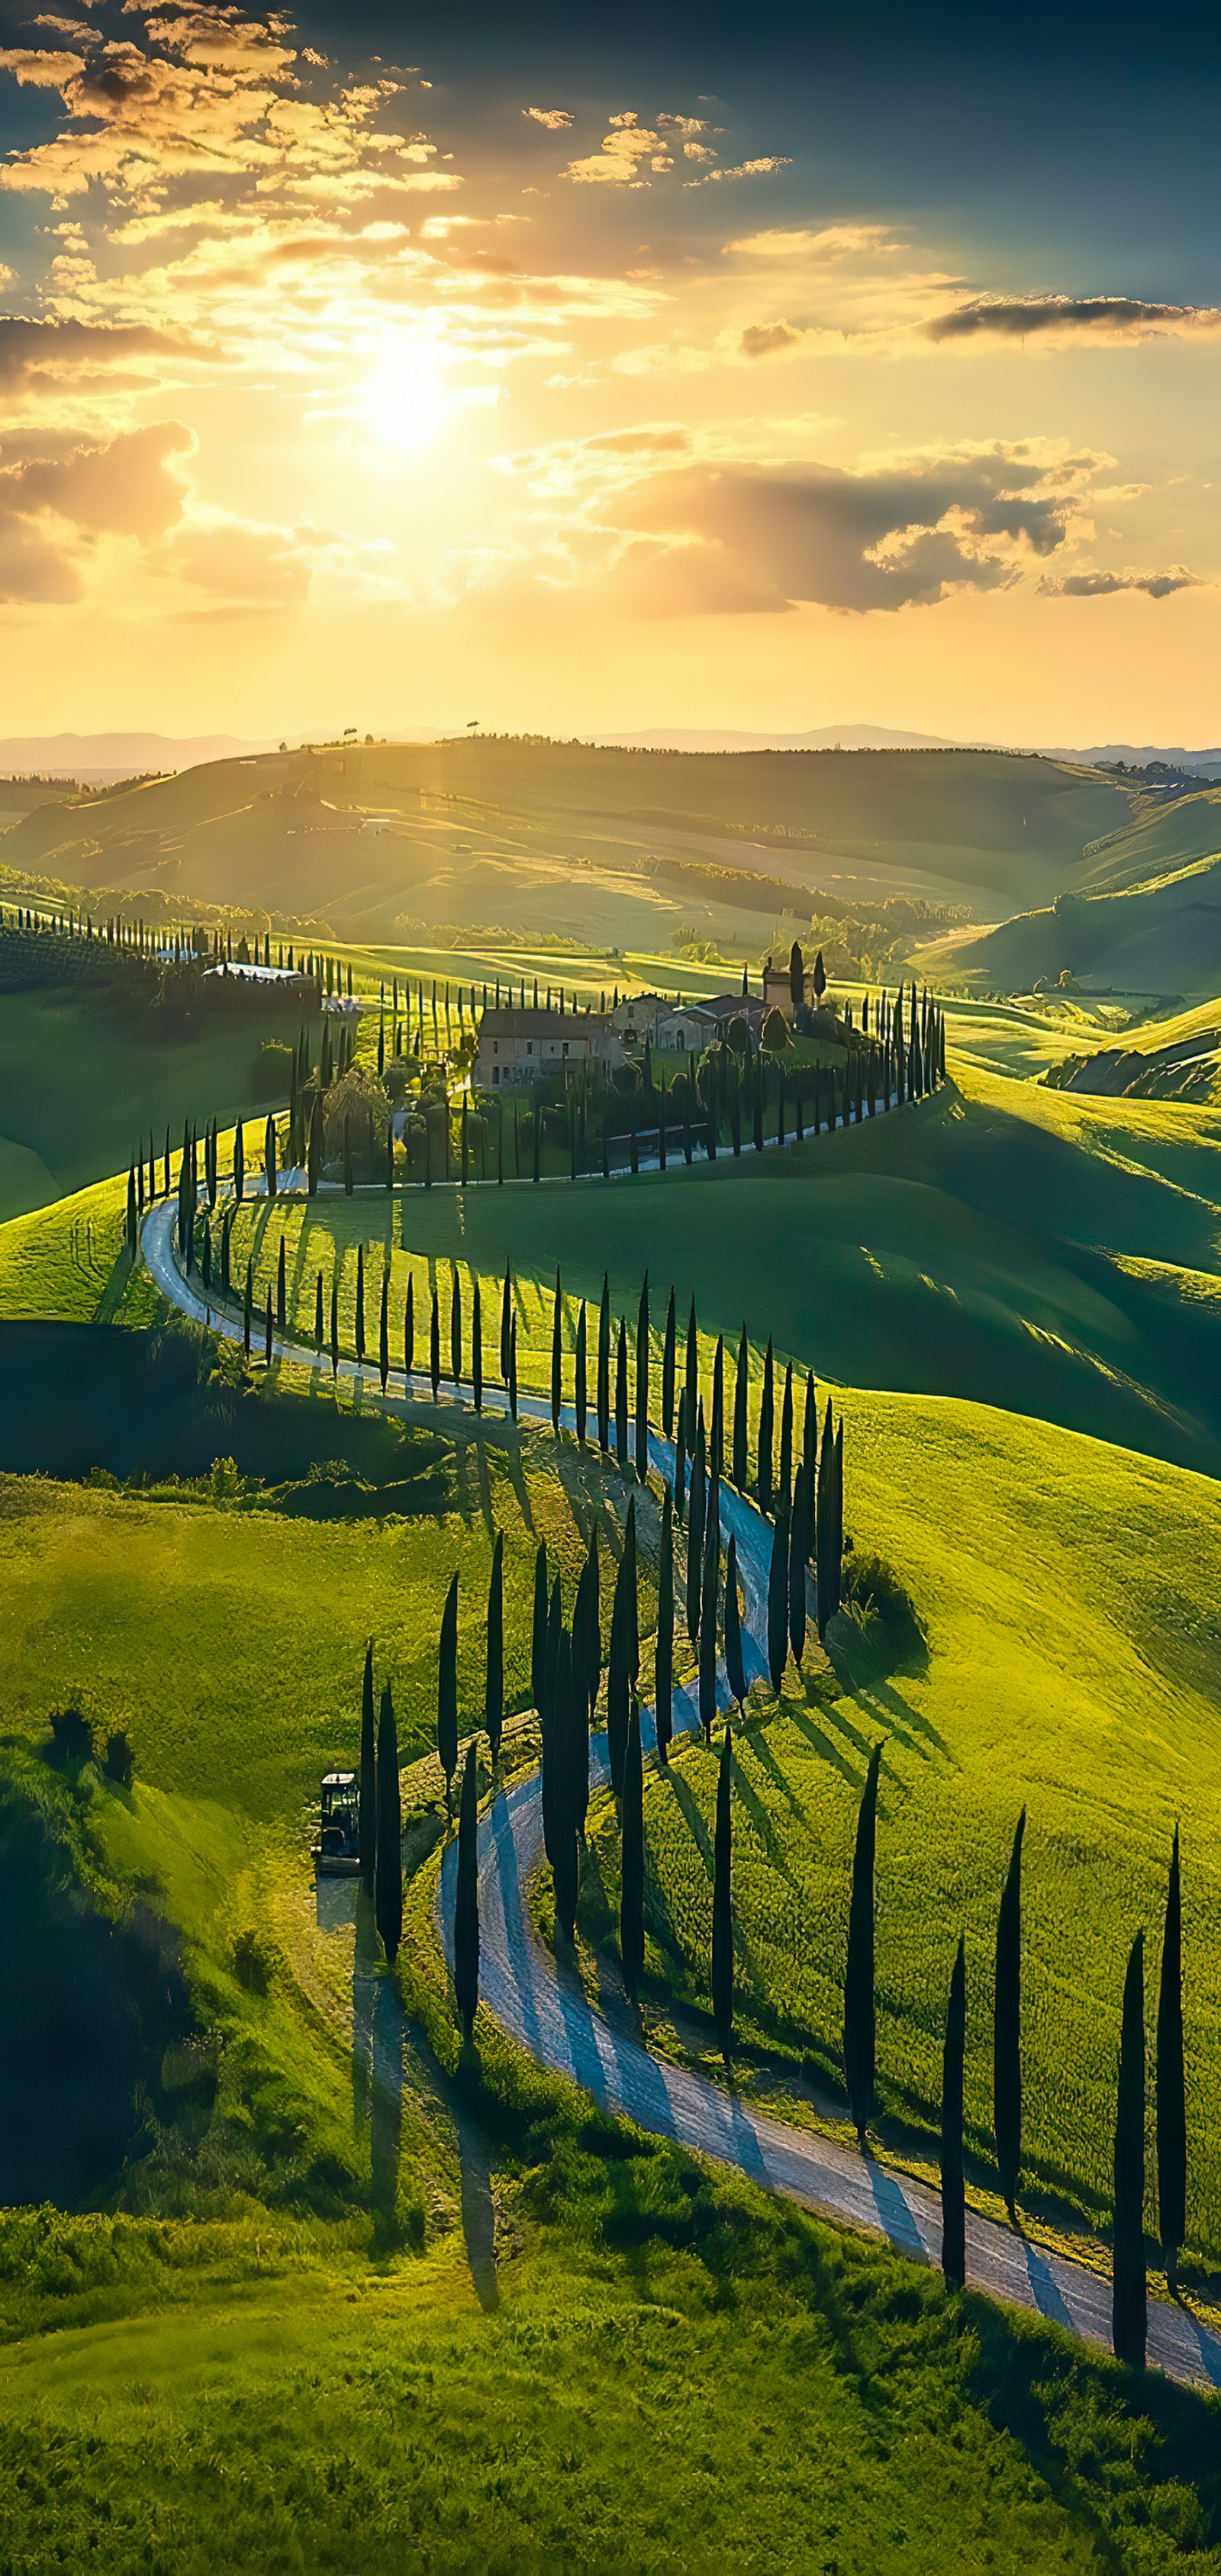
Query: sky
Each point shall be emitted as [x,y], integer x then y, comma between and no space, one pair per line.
[766,371]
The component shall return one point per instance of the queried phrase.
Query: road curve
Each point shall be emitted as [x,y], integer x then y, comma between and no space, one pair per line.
[543,2006]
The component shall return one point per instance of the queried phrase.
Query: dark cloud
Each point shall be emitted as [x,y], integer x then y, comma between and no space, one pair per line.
[47,349]
[769,537]
[767,339]
[1022,317]
[53,506]
[1102,585]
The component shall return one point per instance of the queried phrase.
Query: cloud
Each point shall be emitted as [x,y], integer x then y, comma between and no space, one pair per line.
[237,560]
[54,348]
[1097,317]
[618,163]
[834,241]
[761,169]
[122,488]
[766,538]
[767,339]
[554,118]
[54,506]
[1103,585]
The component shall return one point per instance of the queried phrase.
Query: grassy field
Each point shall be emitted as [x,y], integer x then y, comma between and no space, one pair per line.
[993,1242]
[1073,1666]
[548,837]
[230,1645]
[80,1089]
[672,2380]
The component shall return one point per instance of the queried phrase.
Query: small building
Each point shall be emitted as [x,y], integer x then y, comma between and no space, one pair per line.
[778,987]
[686,1029]
[726,1007]
[517,1047]
[635,1018]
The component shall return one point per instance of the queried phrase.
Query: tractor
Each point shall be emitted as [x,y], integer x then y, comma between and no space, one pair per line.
[337,1850]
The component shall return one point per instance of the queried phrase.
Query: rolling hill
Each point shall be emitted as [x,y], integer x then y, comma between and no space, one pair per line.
[545,836]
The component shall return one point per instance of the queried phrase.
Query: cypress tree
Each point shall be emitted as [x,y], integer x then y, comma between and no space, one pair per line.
[860,2014]
[434,1345]
[621,1395]
[837,1504]
[1129,2290]
[680,1455]
[239,1163]
[692,1379]
[447,1690]
[506,1316]
[1171,2102]
[494,1684]
[551,1784]
[1007,2029]
[668,1357]
[735,1669]
[740,1400]
[466,1899]
[538,1630]
[268,1329]
[388,1863]
[477,1345]
[360,1301]
[319,1315]
[455,1325]
[367,1806]
[513,1367]
[269,1155]
[604,1337]
[953,2193]
[564,1865]
[631,1861]
[384,1330]
[334,1323]
[786,1439]
[583,1654]
[778,1601]
[798,1551]
[618,1675]
[557,1355]
[716,1434]
[767,1408]
[131,1208]
[708,1625]
[580,1397]
[722,1899]
[809,1455]
[663,1663]
[824,1562]
[697,1514]
[642,1382]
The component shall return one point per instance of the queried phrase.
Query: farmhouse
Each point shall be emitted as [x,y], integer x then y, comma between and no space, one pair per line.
[523,1046]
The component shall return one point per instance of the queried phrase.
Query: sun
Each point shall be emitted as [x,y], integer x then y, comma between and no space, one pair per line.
[404,398]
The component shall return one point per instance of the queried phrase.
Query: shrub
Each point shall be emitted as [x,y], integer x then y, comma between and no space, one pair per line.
[872,1587]
[71,1738]
[119,1762]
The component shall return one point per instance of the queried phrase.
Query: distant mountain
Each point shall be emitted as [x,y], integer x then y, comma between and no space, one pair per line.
[96,758]
[847,737]
[1139,755]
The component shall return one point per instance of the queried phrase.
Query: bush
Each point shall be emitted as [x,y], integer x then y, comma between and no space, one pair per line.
[119,1763]
[775,1033]
[71,1742]
[871,1586]
[271,1070]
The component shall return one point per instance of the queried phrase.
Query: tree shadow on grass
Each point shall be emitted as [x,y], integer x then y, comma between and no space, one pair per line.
[826,1749]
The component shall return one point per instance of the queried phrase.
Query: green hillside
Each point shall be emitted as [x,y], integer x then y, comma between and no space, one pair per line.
[79,1087]
[1163,936]
[490,832]
[989,1244]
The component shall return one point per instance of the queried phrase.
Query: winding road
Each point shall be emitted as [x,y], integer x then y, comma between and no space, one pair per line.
[544,2007]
